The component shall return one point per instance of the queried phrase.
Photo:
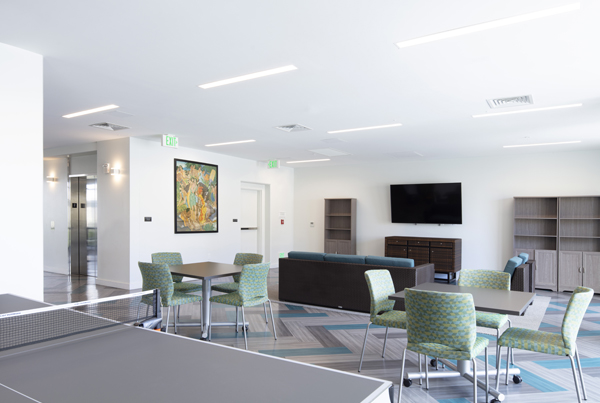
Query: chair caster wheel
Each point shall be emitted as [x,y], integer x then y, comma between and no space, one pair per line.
[407,382]
[434,362]
[517,379]
[495,401]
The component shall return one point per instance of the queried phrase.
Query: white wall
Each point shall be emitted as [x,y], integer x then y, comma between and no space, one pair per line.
[84,164]
[113,214]
[56,205]
[21,135]
[488,187]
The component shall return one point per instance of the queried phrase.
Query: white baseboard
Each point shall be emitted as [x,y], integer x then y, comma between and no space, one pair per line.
[117,284]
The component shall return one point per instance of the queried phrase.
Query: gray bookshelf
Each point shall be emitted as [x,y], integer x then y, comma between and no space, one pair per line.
[340,226]
[562,234]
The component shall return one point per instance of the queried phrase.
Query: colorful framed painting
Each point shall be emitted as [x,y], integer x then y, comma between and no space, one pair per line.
[196,197]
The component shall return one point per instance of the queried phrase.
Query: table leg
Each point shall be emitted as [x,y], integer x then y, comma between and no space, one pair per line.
[206,294]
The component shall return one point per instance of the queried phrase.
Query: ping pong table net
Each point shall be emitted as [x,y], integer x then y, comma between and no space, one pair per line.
[24,328]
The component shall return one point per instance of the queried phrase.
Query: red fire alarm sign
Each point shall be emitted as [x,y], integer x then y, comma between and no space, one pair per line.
[282,221]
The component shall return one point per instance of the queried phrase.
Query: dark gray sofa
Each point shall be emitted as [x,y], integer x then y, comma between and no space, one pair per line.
[338,281]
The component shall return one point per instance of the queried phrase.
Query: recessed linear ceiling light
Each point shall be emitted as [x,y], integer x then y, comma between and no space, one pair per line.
[249,76]
[543,144]
[485,115]
[300,162]
[231,142]
[365,128]
[100,109]
[489,25]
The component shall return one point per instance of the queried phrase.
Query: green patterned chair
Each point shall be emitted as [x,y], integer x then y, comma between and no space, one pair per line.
[442,324]
[381,286]
[496,280]
[173,258]
[563,343]
[155,276]
[252,291]
[240,259]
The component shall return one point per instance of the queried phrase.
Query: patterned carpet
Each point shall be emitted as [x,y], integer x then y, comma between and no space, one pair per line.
[333,339]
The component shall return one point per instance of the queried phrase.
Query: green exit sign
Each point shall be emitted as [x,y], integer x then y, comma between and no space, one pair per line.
[170,141]
[273,164]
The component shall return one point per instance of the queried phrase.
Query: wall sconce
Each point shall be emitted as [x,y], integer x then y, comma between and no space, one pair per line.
[115,171]
[51,179]
[106,168]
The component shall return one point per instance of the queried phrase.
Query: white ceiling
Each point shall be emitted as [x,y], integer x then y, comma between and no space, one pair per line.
[149,57]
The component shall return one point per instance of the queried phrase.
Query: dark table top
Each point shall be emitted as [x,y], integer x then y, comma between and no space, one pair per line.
[116,364]
[206,270]
[485,299]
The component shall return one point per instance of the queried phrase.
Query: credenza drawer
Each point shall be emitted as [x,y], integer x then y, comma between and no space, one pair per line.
[441,244]
[396,241]
[419,243]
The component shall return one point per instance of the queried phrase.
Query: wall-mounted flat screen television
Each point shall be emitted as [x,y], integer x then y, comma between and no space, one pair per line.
[427,203]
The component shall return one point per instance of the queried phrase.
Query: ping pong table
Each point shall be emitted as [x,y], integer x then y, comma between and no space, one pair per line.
[124,363]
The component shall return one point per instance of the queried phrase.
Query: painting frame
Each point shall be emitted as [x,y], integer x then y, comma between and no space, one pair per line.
[196,201]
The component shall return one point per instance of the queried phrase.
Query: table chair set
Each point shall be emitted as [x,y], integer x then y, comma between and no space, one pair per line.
[249,287]
[443,325]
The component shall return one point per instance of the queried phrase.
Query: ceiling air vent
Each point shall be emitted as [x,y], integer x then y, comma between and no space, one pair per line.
[293,128]
[109,126]
[511,101]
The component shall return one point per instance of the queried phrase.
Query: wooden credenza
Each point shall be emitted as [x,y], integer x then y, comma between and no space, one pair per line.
[445,253]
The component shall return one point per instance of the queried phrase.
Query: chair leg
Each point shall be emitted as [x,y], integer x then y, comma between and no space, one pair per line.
[265,308]
[138,312]
[498,359]
[364,345]
[420,368]
[385,341]
[272,319]
[401,376]
[487,378]
[475,386]
[175,317]
[244,328]
[210,323]
[507,362]
[178,311]
[427,372]
[167,325]
[580,374]
[575,378]
[512,353]
[237,316]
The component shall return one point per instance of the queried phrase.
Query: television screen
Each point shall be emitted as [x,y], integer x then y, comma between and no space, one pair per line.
[428,203]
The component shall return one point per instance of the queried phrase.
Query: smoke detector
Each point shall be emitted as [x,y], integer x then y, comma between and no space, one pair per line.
[109,126]
[293,128]
[511,101]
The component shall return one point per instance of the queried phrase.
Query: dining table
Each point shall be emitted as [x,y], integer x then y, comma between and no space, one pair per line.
[206,271]
[486,300]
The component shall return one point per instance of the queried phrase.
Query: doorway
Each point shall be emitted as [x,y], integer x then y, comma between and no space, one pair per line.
[83,231]
[254,220]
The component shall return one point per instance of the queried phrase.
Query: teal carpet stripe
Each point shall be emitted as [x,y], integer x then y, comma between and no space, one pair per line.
[588,333]
[352,327]
[566,363]
[459,400]
[546,325]
[240,335]
[553,310]
[529,378]
[294,307]
[487,336]
[295,352]
[565,305]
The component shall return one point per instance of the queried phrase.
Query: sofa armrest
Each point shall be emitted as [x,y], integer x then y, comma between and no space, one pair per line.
[424,273]
[521,278]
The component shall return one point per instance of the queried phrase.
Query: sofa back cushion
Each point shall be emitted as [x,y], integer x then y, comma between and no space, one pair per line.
[306,255]
[333,257]
[390,261]
[524,256]
[512,264]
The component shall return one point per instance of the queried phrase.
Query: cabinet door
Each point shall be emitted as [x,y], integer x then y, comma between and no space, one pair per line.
[591,275]
[330,246]
[545,262]
[419,255]
[571,273]
[344,248]
[396,250]
[442,257]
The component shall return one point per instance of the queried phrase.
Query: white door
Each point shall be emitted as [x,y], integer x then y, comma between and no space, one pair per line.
[249,221]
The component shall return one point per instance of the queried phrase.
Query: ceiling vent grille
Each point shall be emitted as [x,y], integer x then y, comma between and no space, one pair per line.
[109,126]
[293,128]
[511,101]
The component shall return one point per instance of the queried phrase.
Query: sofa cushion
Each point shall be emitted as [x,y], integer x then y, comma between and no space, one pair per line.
[390,261]
[524,256]
[306,255]
[333,257]
[512,264]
